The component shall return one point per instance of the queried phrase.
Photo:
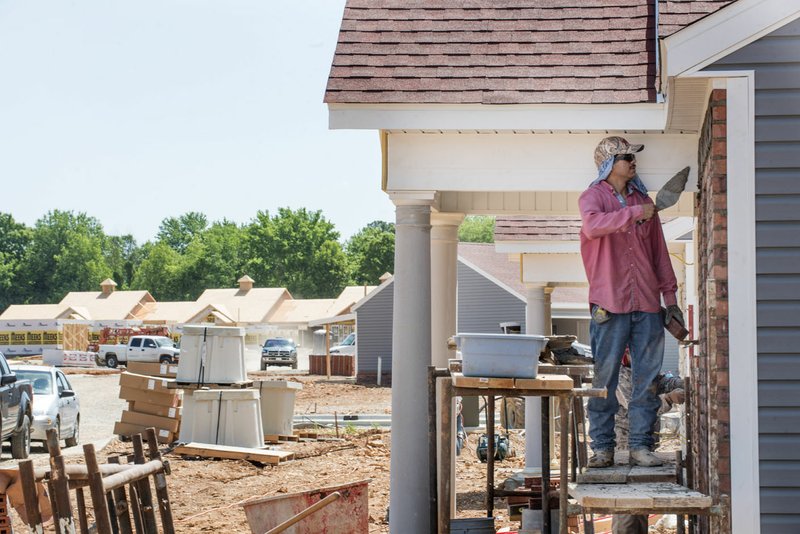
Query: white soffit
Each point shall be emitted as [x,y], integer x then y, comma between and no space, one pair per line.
[523,162]
[687,99]
[724,32]
[510,117]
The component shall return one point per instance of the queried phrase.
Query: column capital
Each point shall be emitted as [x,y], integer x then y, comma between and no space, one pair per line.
[414,198]
[446,219]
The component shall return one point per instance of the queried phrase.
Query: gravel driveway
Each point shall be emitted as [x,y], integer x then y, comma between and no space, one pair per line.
[101,407]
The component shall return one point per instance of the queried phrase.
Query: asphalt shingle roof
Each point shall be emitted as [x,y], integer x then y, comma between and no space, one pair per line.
[502,51]
[537,228]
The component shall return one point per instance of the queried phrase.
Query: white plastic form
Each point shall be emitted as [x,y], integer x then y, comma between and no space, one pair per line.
[277,405]
[212,355]
[223,417]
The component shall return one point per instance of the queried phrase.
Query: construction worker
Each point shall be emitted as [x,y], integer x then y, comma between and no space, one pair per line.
[629,272]
[670,392]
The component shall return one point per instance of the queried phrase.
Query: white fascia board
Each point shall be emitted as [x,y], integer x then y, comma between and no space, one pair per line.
[724,32]
[506,117]
[537,247]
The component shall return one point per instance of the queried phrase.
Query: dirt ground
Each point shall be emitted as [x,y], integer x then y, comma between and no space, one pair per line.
[207,495]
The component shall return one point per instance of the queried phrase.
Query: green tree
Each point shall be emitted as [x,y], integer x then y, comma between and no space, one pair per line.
[214,258]
[298,250]
[477,229]
[123,257]
[178,232]
[159,272]
[370,252]
[65,254]
[14,239]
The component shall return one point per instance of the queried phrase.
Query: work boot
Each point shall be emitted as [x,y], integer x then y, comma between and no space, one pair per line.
[602,459]
[645,458]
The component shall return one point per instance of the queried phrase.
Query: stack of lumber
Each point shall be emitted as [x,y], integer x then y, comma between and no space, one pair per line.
[152,399]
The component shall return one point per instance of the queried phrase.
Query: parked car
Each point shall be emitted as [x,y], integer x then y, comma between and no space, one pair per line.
[139,349]
[347,346]
[16,399]
[279,351]
[56,405]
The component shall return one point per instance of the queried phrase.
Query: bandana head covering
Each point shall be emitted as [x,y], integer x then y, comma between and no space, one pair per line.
[604,159]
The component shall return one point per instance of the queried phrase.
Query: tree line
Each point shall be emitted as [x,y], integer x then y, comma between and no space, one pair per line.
[297,249]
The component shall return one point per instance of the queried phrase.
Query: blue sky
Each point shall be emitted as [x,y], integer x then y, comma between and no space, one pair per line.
[137,111]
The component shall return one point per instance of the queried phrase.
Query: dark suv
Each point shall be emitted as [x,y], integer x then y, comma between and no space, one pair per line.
[279,351]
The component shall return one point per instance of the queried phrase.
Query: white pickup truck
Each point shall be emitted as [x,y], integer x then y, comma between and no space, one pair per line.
[139,349]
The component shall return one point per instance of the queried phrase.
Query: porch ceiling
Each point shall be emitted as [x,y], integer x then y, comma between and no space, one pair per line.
[508,173]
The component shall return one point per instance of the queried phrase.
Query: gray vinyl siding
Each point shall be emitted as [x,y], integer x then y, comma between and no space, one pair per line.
[483,305]
[374,332]
[775,59]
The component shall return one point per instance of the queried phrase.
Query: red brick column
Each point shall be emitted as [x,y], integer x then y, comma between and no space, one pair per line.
[709,367]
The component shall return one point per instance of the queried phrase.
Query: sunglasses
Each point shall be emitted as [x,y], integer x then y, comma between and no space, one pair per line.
[625,157]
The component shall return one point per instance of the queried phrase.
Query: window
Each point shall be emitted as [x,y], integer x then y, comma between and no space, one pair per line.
[61,376]
[62,383]
[149,344]
[136,342]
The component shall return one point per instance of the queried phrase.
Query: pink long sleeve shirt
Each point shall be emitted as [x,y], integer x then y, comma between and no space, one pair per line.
[627,264]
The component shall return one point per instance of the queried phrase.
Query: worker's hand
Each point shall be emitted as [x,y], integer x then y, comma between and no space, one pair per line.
[673,311]
[676,396]
[648,210]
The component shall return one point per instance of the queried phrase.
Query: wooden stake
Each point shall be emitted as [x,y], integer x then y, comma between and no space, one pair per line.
[102,519]
[30,496]
[160,481]
[328,351]
[143,488]
[62,514]
[82,521]
[121,507]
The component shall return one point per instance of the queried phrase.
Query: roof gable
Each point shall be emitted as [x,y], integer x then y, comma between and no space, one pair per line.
[246,306]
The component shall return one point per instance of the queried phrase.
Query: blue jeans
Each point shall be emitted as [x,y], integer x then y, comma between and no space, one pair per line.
[643,333]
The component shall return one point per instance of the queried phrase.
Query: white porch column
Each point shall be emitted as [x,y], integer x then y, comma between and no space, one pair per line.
[535,324]
[411,355]
[444,275]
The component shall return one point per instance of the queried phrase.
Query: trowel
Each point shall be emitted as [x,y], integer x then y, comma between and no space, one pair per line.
[671,191]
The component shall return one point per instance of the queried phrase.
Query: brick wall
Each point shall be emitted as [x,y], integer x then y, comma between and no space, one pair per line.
[710,417]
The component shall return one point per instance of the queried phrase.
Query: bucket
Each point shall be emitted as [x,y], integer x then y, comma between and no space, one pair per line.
[277,405]
[212,355]
[224,417]
[472,525]
[500,355]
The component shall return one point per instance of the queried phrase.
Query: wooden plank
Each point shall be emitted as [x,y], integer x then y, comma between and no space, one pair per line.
[460,380]
[275,438]
[548,382]
[234,453]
